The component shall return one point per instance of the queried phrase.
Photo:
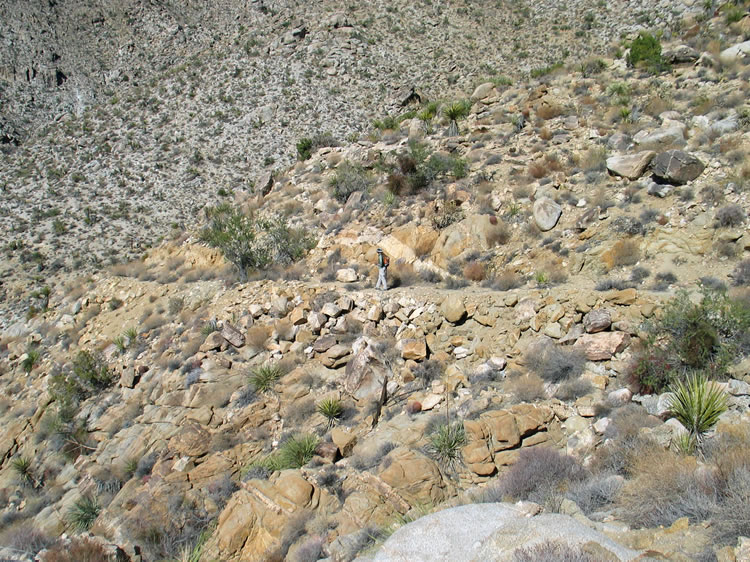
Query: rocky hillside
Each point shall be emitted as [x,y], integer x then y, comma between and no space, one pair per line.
[569,272]
[120,120]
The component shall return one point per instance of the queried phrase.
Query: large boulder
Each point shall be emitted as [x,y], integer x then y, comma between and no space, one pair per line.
[677,166]
[453,309]
[665,136]
[477,232]
[546,213]
[736,53]
[630,166]
[419,238]
[603,345]
[415,477]
[493,532]
[365,371]
[232,335]
[680,54]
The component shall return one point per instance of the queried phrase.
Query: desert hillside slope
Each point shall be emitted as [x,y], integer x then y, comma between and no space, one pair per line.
[195,363]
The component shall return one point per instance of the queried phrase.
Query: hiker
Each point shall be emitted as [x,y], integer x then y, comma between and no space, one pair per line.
[383,263]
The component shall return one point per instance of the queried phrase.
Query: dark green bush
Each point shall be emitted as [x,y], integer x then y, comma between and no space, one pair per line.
[349,178]
[88,375]
[689,337]
[306,145]
[254,244]
[646,50]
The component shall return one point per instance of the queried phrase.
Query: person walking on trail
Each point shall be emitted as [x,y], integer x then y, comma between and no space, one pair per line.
[383,263]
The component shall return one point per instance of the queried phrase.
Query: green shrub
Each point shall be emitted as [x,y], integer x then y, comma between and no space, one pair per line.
[306,145]
[264,377]
[697,404]
[304,148]
[84,512]
[454,112]
[235,234]
[349,178]
[253,244]
[689,337]
[446,442]
[646,50]
[88,375]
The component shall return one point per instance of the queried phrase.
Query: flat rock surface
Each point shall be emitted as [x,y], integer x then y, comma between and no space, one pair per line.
[484,532]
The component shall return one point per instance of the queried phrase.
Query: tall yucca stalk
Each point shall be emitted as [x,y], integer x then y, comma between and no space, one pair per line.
[697,404]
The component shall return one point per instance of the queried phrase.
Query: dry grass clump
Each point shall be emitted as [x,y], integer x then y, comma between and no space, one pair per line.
[558,551]
[554,363]
[527,388]
[549,111]
[80,549]
[499,234]
[665,487]
[403,275]
[504,281]
[622,253]
[474,271]
[541,475]
[537,169]
[256,337]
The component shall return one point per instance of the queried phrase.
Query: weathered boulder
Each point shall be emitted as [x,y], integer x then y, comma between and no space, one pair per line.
[493,532]
[192,440]
[453,309]
[482,91]
[346,275]
[546,213]
[415,349]
[602,346]
[415,477]
[420,238]
[680,54]
[213,341]
[473,233]
[677,166]
[630,166]
[673,135]
[597,320]
[736,53]
[365,371]
[232,335]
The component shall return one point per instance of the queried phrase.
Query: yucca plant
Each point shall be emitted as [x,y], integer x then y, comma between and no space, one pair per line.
[22,467]
[453,113]
[31,359]
[331,409]
[120,344]
[294,453]
[298,451]
[446,442]
[210,327]
[264,377]
[697,404]
[132,334]
[84,512]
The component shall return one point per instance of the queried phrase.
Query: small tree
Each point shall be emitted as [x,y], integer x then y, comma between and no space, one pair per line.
[646,49]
